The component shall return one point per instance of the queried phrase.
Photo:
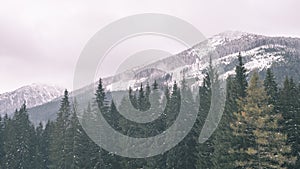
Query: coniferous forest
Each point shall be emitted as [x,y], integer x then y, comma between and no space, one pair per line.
[260,128]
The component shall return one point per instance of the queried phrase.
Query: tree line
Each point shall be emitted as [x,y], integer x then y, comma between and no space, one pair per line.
[259,129]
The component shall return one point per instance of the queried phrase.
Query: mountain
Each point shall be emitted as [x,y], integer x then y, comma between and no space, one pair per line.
[259,52]
[33,95]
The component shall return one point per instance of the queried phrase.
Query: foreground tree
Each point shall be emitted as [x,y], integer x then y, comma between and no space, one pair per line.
[60,147]
[289,104]
[240,78]
[19,142]
[271,88]
[2,126]
[256,125]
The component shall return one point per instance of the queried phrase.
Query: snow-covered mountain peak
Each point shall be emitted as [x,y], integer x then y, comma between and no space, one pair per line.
[227,36]
[34,95]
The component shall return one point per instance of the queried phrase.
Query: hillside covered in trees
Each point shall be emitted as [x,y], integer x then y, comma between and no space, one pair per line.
[260,128]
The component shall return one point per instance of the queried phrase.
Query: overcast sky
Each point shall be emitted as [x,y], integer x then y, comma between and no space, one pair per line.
[40,41]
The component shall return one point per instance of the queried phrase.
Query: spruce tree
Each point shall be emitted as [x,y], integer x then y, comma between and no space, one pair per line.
[91,153]
[41,154]
[104,157]
[173,159]
[205,149]
[224,138]
[271,88]
[289,105]
[255,123]
[60,149]
[47,137]
[19,143]
[147,94]
[100,95]
[189,152]
[142,100]
[240,78]
[133,98]
[75,133]
[1,142]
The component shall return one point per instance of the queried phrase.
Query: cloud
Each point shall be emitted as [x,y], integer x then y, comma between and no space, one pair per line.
[43,39]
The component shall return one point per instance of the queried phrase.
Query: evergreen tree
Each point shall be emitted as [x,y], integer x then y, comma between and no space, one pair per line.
[91,153]
[159,161]
[19,143]
[155,85]
[60,149]
[270,86]
[40,160]
[142,100]
[104,157]
[45,145]
[2,127]
[133,98]
[289,105]
[254,122]
[115,159]
[75,132]
[241,81]
[100,96]
[147,94]
[224,138]
[173,160]
[189,145]
[205,149]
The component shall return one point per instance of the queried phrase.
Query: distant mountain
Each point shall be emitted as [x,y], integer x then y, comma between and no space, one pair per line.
[259,52]
[33,95]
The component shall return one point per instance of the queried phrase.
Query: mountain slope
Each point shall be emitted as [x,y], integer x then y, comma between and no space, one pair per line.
[259,52]
[33,95]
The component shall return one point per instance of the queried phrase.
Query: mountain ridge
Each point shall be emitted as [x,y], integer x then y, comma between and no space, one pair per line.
[34,94]
[259,52]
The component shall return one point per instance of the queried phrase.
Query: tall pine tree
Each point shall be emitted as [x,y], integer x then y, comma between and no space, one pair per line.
[240,78]
[255,123]
[60,148]
[289,105]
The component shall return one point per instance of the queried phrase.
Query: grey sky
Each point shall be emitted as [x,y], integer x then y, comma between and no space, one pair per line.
[40,41]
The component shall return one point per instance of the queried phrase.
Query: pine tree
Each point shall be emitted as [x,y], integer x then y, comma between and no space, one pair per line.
[155,85]
[133,98]
[224,138]
[173,159]
[142,100]
[147,94]
[189,153]
[19,144]
[104,157]
[296,145]
[2,127]
[60,149]
[114,122]
[289,105]
[40,142]
[90,151]
[75,132]
[255,123]
[100,96]
[205,149]
[270,86]
[241,81]
[47,138]
[159,161]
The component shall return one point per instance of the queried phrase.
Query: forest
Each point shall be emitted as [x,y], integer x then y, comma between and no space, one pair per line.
[260,128]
